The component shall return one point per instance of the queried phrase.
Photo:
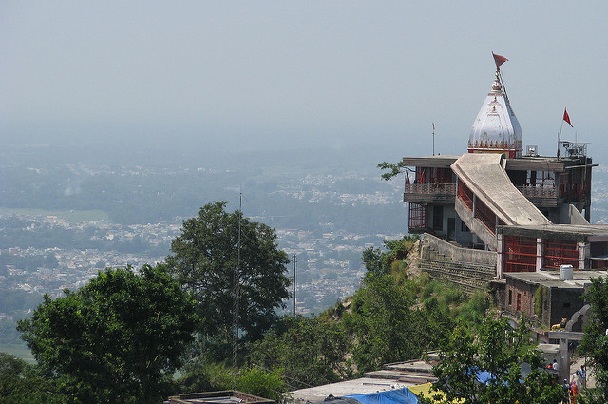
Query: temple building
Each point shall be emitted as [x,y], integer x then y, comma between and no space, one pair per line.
[531,211]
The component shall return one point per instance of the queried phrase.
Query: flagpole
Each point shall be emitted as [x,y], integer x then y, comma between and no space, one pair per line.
[559,134]
[433,139]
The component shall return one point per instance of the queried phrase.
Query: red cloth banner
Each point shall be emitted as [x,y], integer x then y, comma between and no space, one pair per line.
[499,60]
[566,118]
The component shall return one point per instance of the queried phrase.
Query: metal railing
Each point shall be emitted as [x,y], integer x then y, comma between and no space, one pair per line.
[431,189]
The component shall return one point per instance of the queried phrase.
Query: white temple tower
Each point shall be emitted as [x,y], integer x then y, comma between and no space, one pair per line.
[496,128]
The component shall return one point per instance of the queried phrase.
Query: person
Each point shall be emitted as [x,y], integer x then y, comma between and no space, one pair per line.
[566,389]
[573,391]
[582,376]
[555,365]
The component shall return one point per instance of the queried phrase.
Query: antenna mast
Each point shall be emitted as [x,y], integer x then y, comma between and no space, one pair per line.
[433,138]
[294,284]
[236,290]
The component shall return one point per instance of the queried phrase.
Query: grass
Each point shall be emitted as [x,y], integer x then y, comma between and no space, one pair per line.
[69,215]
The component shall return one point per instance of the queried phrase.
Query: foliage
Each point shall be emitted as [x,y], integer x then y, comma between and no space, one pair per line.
[212,248]
[383,326]
[119,338]
[381,263]
[261,383]
[498,349]
[20,383]
[308,351]
[199,374]
[394,169]
[595,341]
[473,309]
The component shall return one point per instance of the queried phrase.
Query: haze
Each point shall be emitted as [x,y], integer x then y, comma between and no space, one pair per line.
[277,74]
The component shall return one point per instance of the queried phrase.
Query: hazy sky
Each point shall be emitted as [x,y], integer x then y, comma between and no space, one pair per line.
[297,71]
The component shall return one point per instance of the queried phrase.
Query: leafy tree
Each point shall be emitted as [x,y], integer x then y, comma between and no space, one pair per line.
[383,324]
[394,169]
[20,383]
[212,249]
[201,374]
[595,341]
[499,350]
[308,351]
[261,383]
[391,261]
[117,339]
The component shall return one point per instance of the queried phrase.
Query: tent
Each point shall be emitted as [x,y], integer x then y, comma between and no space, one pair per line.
[400,396]
[425,391]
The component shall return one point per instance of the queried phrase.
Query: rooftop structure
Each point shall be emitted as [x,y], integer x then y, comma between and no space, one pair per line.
[496,128]
[531,211]
[465,198]
[219,397]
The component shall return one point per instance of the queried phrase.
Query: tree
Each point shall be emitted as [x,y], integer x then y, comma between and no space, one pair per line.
[382,323]
[309,351]
[378,262]
[212,249]
[595,338]
[117,339]
[20,383]
[394,169]
[486,366]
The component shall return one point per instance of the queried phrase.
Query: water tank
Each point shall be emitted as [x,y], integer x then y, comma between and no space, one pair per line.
[566,272]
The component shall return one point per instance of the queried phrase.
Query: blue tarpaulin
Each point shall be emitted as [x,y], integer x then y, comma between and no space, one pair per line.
[401,396]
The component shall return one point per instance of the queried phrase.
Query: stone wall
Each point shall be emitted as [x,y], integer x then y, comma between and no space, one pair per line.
[467,268]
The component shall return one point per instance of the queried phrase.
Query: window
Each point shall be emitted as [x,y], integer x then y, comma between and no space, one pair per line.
[464,228]
[437,217]
[518,302]
[510,297]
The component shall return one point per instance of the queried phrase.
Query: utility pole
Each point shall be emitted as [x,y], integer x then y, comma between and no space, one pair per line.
[236,290]
[294,284]
[433,138]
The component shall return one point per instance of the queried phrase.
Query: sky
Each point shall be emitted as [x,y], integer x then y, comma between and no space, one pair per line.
[264,74]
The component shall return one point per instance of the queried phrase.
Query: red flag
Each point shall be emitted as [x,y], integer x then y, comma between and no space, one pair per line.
[566,118]
[499,60]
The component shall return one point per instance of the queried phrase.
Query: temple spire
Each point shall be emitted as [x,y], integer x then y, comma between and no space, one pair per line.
[496,128]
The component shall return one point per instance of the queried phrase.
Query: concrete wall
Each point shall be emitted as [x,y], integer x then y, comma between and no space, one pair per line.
[564,303]
[519,298]
[431,244]
[467,268]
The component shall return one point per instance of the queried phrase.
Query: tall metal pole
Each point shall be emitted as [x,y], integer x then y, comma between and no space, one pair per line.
[294,284]
[236,290]
[433,139]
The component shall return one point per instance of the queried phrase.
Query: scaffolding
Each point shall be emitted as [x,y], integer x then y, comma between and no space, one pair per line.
[520,254]
[416,217]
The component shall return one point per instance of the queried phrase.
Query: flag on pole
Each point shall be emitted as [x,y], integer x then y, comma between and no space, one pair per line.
[499,60]
[566,118]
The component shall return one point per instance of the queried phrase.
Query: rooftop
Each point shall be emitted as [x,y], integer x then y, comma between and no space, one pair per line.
[552,278]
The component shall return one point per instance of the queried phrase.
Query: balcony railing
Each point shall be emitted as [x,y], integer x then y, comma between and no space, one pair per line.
[538,192]
[431,189]
[541,196]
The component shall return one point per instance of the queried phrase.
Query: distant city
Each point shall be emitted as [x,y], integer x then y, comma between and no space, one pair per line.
[62,222]
[58,227]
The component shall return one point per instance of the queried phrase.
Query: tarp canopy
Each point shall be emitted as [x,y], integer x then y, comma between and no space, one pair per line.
[400,396]
[424,390]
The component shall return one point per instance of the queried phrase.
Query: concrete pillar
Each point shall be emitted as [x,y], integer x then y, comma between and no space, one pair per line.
[540,251]
[474,204]
[500,256]
[584,252]
[564,360]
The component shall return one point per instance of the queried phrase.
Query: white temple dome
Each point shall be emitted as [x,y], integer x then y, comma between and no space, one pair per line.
[496,128]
